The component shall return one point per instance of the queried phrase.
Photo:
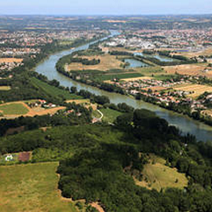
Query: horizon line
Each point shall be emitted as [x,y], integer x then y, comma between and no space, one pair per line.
[150,14]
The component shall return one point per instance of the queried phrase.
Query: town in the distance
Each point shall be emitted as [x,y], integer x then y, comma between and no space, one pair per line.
[106,113]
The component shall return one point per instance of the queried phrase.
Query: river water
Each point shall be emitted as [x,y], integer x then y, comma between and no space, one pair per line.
[185,124]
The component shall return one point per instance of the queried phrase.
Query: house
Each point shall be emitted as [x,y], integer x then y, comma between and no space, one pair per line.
[9,158]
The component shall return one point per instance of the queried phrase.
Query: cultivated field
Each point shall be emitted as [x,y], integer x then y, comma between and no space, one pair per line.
[54,91]
[196,89]
[16,109]
[5,88]
[149,71]
[155,88]
[10,60]
[156,175]
[137,78]
[107,62]
[41,111]
[205,52]
[85,102]
[121,76]
[191,69]
[79,101]
[33,188]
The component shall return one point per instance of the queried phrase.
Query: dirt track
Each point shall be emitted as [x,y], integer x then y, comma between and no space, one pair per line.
[97,206]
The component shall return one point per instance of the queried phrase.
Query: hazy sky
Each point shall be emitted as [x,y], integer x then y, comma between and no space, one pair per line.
[98,7]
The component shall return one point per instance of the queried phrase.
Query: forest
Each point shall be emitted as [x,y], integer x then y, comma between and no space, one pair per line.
[98,162]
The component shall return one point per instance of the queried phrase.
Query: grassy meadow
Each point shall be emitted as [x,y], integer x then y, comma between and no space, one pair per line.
[13,109]
[31,188]
[110,115]
[157,175]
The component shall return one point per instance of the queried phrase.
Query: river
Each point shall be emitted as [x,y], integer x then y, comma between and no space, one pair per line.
[185,124]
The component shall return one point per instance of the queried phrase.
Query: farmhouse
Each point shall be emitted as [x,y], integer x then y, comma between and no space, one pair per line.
[9,158]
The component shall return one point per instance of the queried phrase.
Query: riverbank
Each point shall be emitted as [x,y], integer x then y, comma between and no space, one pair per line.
[185,124]
[148,100]
[68,47]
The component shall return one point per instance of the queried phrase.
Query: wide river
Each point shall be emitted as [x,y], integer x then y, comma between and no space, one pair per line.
[185,124]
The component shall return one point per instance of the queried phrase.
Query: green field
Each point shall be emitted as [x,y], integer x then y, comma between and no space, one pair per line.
[164,77]
[54,90]
[148,71]
[13,109]
[105,77]
[31,188]
[110,115]
[157,175]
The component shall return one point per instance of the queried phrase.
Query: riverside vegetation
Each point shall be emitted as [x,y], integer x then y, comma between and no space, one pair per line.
[98,162]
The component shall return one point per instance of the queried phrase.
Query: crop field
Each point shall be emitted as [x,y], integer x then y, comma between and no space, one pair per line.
[78,101]
[136,78]
[5,88]
[191,69]
[155,88]
[33,188]
[107,62]
[41,111]
[85,102]
[105,77]
[15,108]
[156,175]
[110,49]
[54,90]
[196,89]
[164,77]
[149,71]
[10,60]
[204,52]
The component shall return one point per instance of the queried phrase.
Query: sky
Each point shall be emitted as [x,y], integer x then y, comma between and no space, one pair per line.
[104,7]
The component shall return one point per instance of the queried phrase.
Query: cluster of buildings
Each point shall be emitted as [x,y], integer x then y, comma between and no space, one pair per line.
[41,103]
[9,65]
[163,92]
[75,34]
[133,42]
[18,52]
[25,38]
[150,84]
[180,39]
[29,42]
